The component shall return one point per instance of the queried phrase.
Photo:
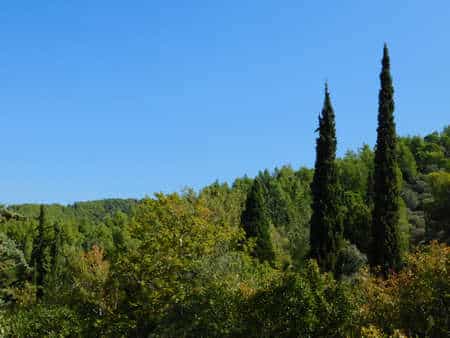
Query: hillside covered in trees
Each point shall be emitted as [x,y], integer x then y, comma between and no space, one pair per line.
[355,247]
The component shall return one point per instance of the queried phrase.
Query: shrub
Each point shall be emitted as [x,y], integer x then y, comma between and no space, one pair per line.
[43,321]
[309,304]
[416,300]
[350,260]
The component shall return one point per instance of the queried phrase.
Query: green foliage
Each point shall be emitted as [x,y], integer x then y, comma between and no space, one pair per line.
[431,153]
[213,312]
[404,230]
[290,211]
[90,293]
[287,199]
[357,219]
[93,211]
[177,269]
[386,213]
[43,321]
[350,260]
[14,270]
[225,203]
[175,234]
[42,252]
[416,300]
[424,292]
[256,222]
[355,170]
[309,304]
[406,161]
[438,208]
[326,223]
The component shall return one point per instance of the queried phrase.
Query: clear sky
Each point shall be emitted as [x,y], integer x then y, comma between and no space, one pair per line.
[111,98]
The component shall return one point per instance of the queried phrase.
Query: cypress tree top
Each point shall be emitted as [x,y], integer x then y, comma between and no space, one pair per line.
[386,106]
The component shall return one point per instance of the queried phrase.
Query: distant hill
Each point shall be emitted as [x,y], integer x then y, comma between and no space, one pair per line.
[92,211]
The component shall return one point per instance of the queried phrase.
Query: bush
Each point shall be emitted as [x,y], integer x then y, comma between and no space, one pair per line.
[43,321]
[350,260]
[424,292]
[14,270]
[416,300]
[211,312]
[309,304]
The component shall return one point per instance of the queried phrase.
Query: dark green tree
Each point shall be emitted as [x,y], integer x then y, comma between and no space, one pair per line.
[256,221]
[326,222]
[386,211]
[41,255]
[56,254]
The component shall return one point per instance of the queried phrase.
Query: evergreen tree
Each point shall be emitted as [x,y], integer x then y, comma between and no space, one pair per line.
[41,255]
[56,249]
[326,223]
[256,221]
[386,212]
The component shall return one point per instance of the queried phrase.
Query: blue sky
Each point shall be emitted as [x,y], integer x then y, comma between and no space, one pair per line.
[110,98]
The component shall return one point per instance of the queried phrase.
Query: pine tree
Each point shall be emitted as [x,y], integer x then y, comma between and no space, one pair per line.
[256,221]
[326,222]
[386,212]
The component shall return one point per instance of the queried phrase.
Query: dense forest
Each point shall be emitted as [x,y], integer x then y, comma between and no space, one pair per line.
[355,247]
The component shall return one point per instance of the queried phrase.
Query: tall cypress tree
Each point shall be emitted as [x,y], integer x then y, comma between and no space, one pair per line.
[256,221]
[326,223]
[385,220]
[41,254]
